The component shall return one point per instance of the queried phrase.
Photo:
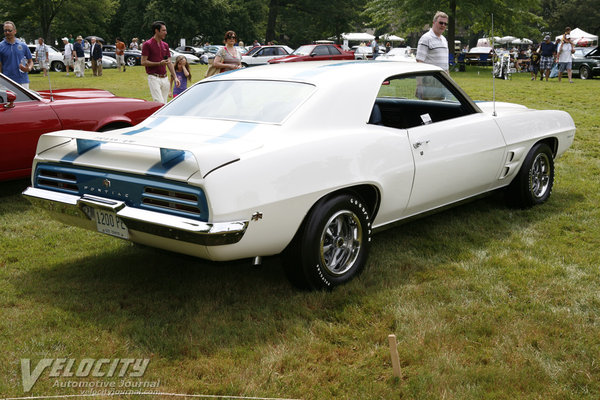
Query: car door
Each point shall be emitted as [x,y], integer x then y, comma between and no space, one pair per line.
[262,56]
[458,152]
[20,128]
[320,53]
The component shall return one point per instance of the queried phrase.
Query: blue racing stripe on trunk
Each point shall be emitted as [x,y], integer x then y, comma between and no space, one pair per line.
[239,130]
[151,125]
[160,169]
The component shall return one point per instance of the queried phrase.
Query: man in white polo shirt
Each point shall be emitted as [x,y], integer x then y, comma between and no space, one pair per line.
[433,46]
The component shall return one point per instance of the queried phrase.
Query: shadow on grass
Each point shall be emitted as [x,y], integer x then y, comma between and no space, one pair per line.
[180,306]
[11,200]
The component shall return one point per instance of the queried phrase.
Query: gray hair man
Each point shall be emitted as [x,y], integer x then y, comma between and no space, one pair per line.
[433,46]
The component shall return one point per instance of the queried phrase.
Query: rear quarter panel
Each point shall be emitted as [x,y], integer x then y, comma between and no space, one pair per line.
[283,184]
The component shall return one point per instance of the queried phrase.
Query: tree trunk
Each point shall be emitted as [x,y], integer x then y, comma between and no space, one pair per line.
[272,19]
[451,26]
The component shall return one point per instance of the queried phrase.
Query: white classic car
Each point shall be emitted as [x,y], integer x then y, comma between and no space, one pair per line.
[297,159]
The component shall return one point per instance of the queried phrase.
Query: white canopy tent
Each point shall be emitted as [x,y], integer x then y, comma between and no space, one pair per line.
[506,39]
[578,35]
[391,38]
[358,37]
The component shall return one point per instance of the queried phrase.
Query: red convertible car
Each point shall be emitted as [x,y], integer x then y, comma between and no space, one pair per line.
[25,115]
[315,52]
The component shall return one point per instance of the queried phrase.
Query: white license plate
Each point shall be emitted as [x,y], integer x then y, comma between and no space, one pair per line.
[108,222]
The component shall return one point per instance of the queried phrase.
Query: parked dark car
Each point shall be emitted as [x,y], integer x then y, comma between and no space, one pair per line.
[132,57]
[586,62]
[315,52]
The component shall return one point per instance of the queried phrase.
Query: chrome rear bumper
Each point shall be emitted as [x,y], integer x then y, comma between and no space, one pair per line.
[150,222]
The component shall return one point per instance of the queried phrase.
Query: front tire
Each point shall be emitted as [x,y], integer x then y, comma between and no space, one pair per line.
[585,72]
[57,66]
[332,245]
[534,182]
[130,61]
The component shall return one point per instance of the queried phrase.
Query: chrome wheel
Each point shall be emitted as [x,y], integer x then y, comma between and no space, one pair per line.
[539,176]
[341,241]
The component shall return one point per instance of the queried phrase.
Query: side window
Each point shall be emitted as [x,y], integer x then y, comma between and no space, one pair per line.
[333,50]
[17,90]
[260,53]
[409,101]
[281,51]
[321,51]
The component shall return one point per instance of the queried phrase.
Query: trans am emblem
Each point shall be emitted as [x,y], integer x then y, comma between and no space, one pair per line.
[106,183]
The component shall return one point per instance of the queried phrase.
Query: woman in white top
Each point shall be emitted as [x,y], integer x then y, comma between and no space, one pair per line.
[228,58]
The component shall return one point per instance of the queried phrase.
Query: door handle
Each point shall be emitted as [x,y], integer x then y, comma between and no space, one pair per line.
[419,144]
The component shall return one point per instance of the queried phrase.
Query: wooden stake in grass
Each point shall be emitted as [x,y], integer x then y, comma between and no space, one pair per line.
[394,354]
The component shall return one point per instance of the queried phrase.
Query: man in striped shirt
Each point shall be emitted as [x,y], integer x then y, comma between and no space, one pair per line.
[433,46]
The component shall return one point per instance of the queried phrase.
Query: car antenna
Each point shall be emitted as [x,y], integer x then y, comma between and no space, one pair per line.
[50,85]
[493,75]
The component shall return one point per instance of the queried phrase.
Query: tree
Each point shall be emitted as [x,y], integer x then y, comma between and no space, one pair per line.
[515,17]
[52,19]
[299,22]
[583,14]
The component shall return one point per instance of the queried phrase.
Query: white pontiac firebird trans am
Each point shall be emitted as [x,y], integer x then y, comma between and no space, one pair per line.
[302,159]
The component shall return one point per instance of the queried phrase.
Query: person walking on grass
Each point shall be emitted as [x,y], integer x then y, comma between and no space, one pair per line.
[565,56]
[79,57]
[182,71]
[15,57]
[433,46]
[41,55]
[68,53]
[547,52]
[156,57]
[120,54]
[96,57]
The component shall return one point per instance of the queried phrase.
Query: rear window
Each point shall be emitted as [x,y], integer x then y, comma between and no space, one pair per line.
[240,100]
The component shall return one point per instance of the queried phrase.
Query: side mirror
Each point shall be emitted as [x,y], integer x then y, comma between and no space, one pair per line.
[10,99]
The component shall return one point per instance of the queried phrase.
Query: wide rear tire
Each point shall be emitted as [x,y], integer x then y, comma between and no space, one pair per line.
[332,246]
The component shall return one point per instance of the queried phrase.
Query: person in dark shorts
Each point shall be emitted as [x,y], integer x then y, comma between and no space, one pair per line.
[534,66]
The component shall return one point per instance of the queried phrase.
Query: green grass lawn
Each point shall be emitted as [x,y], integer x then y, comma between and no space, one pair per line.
[486,301]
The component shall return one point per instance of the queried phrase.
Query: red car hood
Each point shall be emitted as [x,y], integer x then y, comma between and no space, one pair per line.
[63,94]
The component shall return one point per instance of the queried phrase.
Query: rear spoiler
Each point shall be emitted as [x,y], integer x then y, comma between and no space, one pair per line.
[209,156]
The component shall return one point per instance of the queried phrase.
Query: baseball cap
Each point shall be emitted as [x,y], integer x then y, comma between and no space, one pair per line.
[65,39]
[547,37]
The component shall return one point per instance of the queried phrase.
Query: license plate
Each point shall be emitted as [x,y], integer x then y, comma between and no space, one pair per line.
[108,222]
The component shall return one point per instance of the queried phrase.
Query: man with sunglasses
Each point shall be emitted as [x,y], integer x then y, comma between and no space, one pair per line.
[15,57]
[433,46]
